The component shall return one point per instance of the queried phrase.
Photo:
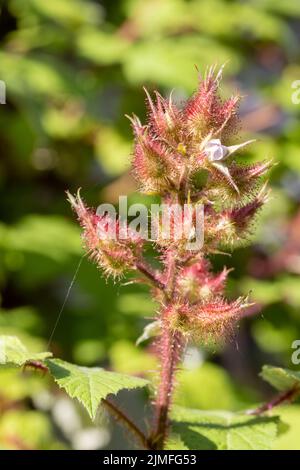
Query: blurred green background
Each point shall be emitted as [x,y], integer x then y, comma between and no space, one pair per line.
[72,69]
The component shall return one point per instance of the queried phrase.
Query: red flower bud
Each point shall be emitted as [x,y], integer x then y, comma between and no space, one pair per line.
[165,119]
[242,217]
[155,165]
[212,320]
[197,283]
[102,242]
[205,113]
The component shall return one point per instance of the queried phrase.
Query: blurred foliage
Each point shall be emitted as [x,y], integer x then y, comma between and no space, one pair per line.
[72,69]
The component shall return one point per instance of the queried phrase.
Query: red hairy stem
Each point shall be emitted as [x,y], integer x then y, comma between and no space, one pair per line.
[171,345]
[120,416]
[171,272]
[35,365]
[148,272]
[284,397]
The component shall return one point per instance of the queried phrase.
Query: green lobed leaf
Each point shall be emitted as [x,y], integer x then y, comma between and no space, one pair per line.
[221,430]
[14,352]
[90,384]
[279,378]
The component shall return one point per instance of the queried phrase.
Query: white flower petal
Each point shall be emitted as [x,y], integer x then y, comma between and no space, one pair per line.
[224,170]
[233,148]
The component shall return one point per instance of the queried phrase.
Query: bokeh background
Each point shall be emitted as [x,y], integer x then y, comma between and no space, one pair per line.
[72,69]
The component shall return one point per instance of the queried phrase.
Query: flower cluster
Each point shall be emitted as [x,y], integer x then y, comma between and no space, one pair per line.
[178,143]
[188,156]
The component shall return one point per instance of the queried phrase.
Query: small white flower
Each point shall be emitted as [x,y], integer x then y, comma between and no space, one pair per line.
[217,153]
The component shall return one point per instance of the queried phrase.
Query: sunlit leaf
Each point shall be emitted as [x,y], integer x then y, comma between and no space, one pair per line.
[13,352]
[279,378]
[222,430]
[90,384]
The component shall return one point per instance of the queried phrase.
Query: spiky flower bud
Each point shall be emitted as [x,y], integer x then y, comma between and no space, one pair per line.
[206,114]
[165,119]
[197,283]
[102,241]
[213,320]
[156,166]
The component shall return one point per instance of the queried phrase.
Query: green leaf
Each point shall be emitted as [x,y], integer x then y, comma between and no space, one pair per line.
[221,430]
[13,352]
[90,384]
[279,378]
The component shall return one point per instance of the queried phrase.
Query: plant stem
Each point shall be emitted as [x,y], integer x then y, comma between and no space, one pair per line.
[170,351]
[170,346]
[119,415]
[287,396]
[148,272]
